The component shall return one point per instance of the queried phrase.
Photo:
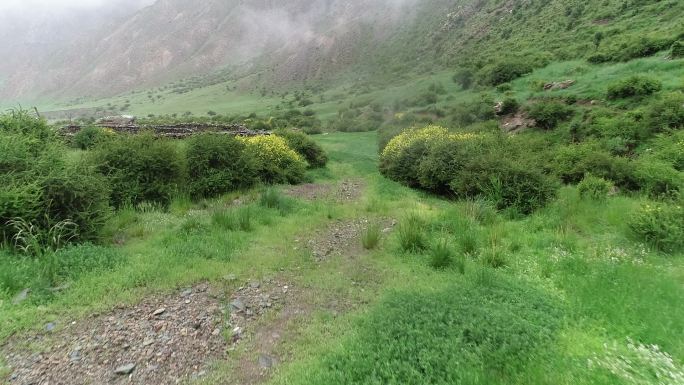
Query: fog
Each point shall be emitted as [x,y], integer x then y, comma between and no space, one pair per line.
[31,6]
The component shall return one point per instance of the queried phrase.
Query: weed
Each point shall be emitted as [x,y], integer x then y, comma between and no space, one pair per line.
[441,255]
[412,237]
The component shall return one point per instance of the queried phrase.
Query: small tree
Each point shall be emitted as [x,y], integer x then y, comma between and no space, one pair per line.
[598,38]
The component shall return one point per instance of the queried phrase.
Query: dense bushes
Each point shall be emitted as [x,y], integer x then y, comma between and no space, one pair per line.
[218,164]
[629,48]
[42,192]
[548,114]
[633,86]
[677,50]
[465,166]
[140,168]
[504,71]
[306,147]
[88,137]
[275,161]
[666,113]
[661,225]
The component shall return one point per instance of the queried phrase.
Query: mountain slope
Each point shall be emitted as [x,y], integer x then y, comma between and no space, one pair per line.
[305,40]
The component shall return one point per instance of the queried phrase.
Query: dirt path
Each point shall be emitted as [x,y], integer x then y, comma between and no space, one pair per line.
[176,338]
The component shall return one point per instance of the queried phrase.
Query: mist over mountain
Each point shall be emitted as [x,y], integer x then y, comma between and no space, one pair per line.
[111,48]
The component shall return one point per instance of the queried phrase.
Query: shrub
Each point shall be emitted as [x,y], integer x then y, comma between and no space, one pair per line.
[140,168]
[549,114]
[311,151]
[371,237]
[464,78]
[504,71]
[594,188]
[401,157]
[658,179]
[661,225]
[634,86]
[218,164]
[477,110]
[571,163]
[88,138]
[630,47]
[666,113]
[24,123]
[677,50]
[509,106]
[510,186]
[275,161]
[412,237]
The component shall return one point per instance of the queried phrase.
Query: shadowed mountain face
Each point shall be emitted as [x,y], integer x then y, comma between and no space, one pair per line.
[107,52]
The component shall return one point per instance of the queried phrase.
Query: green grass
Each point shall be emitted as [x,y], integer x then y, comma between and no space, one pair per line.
[574,279]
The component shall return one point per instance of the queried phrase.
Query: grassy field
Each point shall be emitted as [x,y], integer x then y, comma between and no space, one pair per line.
[563,296]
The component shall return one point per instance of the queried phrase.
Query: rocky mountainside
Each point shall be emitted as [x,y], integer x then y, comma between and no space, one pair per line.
[300,40]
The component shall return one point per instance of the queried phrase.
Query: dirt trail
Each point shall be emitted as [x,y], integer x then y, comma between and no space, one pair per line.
[176,338]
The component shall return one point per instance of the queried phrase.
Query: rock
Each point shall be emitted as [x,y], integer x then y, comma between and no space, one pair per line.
[50,326]
[186,292]
[159,312]
[266,361]
[125,369]
[254,285]
[238,305]
[75,356]
[21,297]
[148,342]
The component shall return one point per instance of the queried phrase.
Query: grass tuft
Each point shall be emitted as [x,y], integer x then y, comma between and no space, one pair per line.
[371,237]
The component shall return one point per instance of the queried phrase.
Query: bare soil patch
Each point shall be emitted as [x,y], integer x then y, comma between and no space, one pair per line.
[348,190]
[343,237]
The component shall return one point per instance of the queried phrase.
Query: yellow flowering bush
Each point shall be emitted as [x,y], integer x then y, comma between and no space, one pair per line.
[276,161]
[401,157]
[465,165]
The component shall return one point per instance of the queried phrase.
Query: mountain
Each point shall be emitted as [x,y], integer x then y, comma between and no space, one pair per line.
[301,40]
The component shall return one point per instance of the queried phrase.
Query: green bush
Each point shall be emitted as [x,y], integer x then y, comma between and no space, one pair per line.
[25,123]
[218,164]
[464,78]
[571,163]
[139,168]
[633,86]
[504,71]
[661,225]
[548,114]
[476,110]
[515,187]
[658,179]
[464,334]
[42,192]
[509,106]
[88,137]
[677,50]
[465,166]
[630,47]
[594,188]
[306,147]
[666,113]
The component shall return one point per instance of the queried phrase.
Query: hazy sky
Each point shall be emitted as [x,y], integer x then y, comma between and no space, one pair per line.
[61,4]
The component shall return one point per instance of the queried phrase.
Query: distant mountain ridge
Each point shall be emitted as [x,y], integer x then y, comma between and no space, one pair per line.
[301,40]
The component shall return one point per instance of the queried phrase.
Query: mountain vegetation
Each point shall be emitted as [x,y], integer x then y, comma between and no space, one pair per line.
[472,191]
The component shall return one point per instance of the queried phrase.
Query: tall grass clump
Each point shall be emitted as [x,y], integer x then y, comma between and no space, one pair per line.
[370,239]
[412,236]
[441,255]
[271,198]
[233,220]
